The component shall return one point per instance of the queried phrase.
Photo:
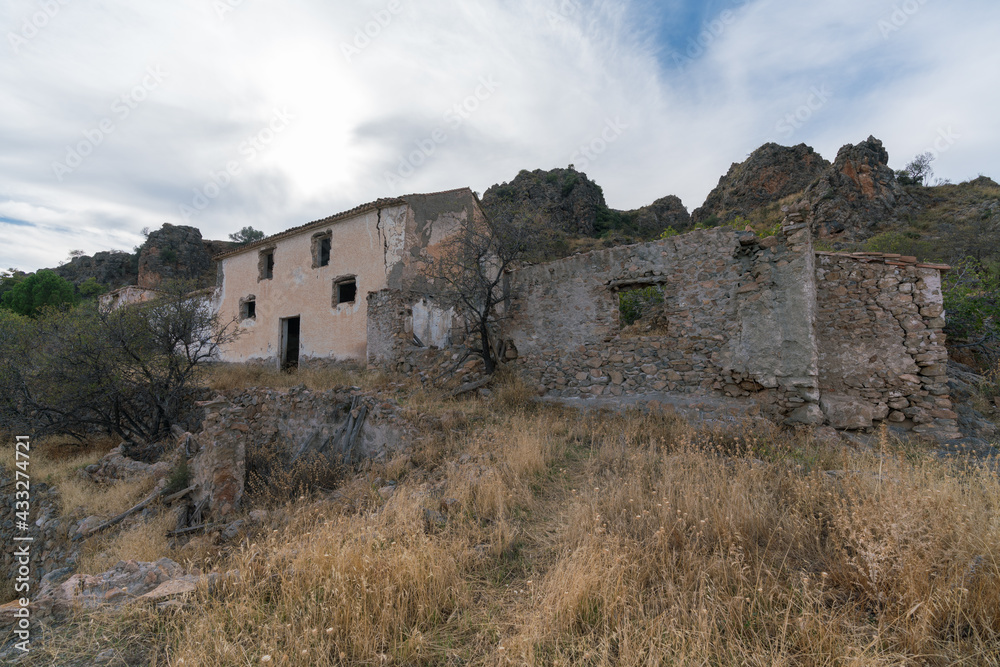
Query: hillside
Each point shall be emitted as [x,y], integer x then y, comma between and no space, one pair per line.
[521,533]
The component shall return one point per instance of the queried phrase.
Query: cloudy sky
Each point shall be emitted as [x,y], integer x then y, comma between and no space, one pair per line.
[115,115]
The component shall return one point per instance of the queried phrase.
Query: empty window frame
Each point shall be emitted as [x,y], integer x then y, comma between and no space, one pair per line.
[248,308]
[266,264]
[345,290]
[321,244]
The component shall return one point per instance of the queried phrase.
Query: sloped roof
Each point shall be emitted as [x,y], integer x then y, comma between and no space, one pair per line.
[357,210]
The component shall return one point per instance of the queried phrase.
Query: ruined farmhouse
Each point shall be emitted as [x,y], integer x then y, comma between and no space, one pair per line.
[757,325]
[301,296]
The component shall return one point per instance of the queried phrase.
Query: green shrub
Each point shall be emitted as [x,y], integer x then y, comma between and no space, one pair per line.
[36,292]
[634,303]
[180,477]
[903,243]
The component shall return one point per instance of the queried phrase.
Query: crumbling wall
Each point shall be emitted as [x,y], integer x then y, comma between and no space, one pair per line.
[810,338]
[879,329]
[735,320]
[346,426]
[387,330]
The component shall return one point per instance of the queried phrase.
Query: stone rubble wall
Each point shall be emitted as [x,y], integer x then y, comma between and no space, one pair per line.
[298,419]
[803,337]
[735,320]
[52,548]
[879,329]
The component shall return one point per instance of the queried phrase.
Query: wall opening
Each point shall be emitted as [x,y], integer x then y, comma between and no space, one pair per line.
[635,302]
[321,246]
[248,308]
[290,342]
[345,290]
[266,264]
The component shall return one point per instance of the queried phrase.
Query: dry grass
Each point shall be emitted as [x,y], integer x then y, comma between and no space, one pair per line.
[678,552]
[143,542]
[57,463]
[605,540]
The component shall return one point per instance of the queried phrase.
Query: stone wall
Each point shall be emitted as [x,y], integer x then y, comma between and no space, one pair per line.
[735,320]
[882,355]
[804,337]
[346,426]
[52,548]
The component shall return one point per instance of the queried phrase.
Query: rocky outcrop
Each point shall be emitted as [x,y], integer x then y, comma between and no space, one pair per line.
[566,202]
[176,252]
[113,269]
[858,194]
[171,253]
[770,174]
[560,199]
[650,221]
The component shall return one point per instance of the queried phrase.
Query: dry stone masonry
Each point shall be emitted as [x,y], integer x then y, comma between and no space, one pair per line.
[768,324]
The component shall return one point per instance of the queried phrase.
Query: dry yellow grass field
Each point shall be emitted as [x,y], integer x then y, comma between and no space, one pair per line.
[598,539]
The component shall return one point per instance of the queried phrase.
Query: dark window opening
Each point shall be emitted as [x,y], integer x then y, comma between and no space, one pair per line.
[324,252]
[345,291]
[321,246]
[248,309]
[266,264]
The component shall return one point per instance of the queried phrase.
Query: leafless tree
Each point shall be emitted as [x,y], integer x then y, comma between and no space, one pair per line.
[472,273]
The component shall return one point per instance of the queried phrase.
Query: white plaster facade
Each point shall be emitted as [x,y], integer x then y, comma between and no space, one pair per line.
[308,290]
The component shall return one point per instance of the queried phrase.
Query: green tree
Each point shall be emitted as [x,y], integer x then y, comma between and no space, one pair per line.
[918,171]
[90,288]
[9,279]
[246,235]
[45,288]
[128,371]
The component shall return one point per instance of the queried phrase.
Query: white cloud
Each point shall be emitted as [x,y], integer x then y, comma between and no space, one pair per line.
[559,71]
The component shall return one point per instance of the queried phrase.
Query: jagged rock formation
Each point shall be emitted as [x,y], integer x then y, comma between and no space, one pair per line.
[562,199]
[859,193]
[172,252]
[771,173]
[665,212]
[176,252]
[113,269]
[566,201]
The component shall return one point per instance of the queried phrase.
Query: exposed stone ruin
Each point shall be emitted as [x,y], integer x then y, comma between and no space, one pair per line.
[767,324]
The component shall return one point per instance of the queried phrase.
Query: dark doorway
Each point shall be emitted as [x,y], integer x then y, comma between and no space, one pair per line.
[290,343]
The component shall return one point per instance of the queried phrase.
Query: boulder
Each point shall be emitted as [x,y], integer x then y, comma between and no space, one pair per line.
[809,415]
[847,412]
